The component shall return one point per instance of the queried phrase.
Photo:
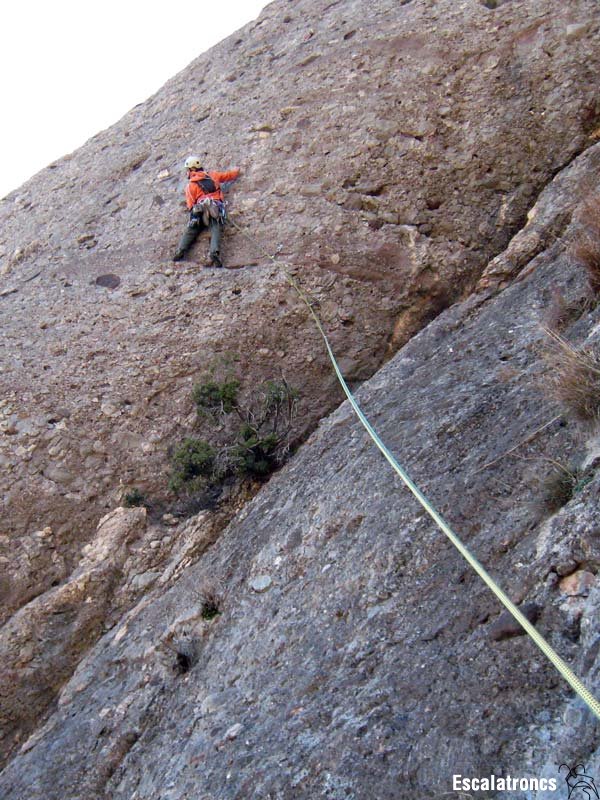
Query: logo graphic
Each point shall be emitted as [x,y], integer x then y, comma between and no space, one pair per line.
[580,784]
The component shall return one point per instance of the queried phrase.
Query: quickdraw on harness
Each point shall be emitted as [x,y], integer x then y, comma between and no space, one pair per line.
[208,209]
[556,661]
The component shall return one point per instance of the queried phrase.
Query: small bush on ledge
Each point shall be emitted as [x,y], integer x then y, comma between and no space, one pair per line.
[193,465]
[211,602]
[134,499]
[215,397]
[255,455]
[247,433]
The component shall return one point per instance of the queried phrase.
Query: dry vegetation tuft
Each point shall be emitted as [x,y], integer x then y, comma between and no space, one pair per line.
[575,378]
[211,600]
[561,313]
[586,249]
[557,488]
[561,484]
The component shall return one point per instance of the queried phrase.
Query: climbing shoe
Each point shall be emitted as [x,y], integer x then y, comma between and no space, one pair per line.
[215,259]
[179,255]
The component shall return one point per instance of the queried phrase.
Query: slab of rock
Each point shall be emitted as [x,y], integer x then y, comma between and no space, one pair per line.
[334,699]
[475,172]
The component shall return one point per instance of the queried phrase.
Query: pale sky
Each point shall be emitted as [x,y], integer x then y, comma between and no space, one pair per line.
[70,69]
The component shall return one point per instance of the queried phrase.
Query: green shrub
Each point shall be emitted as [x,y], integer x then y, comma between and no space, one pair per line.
[211,604]
[277,394]
[134,498]
[193,464]
[255,455]
[216,397]
[249,435]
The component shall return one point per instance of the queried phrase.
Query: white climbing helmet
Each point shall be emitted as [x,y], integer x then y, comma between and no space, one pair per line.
[193,162]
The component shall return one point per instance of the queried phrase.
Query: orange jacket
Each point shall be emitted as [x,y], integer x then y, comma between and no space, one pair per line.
[194,192]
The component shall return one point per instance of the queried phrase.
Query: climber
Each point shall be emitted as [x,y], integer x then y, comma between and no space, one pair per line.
[204,199]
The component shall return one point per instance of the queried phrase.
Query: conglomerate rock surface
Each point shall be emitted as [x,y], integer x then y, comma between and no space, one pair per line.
[392,155]
[388,150]
[356,655]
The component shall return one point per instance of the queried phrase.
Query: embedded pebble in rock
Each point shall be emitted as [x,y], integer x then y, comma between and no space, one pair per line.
[141,582]
[109,281]
[210,704]
[261,583]
[234,731]
[578,584]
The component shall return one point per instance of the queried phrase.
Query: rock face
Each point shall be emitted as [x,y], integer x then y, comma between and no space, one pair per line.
[387,152]
[355,654]
[409,158]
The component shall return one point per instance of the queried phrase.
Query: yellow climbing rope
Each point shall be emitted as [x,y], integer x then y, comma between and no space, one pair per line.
[539,640]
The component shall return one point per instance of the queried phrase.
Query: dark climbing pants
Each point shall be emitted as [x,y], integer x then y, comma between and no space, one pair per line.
[195,228]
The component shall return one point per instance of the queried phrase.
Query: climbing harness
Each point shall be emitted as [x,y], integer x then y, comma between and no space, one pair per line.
[566,672]
[207,209]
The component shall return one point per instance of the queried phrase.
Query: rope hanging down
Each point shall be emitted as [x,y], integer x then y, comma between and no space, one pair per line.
[566,672]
